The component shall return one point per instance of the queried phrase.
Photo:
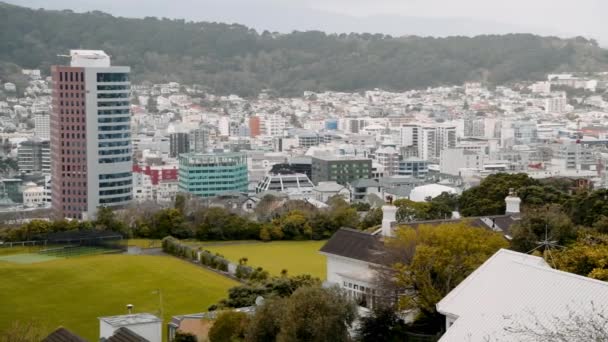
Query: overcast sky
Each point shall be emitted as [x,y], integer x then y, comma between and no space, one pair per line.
[588,18]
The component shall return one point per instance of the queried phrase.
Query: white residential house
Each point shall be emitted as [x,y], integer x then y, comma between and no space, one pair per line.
[514,290]
[352,255]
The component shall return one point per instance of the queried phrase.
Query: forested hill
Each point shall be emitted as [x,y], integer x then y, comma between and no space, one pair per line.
[235,59]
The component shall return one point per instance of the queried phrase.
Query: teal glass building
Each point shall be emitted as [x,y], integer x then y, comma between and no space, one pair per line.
[207,175]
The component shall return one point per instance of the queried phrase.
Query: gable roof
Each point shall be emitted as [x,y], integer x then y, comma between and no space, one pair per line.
[515,287]
[125,335]
[63,335]
[353,244]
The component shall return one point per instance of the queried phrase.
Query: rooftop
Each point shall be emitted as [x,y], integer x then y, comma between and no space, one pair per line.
[127,320]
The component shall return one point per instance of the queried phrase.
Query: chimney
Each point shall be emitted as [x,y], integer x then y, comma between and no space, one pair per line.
[513,203]
[389,216]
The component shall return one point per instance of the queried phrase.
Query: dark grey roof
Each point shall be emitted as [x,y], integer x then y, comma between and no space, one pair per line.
[125,335]
[63,335]
[354,244]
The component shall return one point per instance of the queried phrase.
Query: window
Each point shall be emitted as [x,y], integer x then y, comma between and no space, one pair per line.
[112,77]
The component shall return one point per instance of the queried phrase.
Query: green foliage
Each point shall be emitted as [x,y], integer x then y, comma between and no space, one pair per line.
[361,206]
[310,314]
[489,197]
[588,207]
[382,324]
[420,211]
[588,256]
[531,228]
[430,261]
[245,295]
[229,327]
[233,58]
[371,219]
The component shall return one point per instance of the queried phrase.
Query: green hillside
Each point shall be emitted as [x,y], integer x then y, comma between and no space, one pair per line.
[235,59]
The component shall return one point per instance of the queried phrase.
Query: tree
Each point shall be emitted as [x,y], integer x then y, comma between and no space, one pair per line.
[180,203]
[265,325]
[382,324]
[309,314]
[371,219]
[229,327]
[426,263]
[588,256]
[106,220]
[535,222]
[489,197]
[317,314]
[588,207]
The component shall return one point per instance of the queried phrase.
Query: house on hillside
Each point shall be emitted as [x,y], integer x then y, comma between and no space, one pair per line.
[352,255]
[515,290]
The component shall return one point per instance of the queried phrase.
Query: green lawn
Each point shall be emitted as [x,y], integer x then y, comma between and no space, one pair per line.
[298,257]
[74,292]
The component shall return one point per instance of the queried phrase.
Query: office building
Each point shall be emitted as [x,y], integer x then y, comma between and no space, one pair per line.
[42,126]
[199,139]
[34,157]
[91,151]
[178,143]
[207,175]
[413,167]
[388,157]
[341,170]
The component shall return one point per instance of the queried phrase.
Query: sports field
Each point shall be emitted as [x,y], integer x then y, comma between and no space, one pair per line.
[74,292]
[298,257]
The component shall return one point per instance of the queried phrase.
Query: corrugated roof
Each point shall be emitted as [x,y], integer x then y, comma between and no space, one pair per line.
[63,335]
[515,287]
[125,335]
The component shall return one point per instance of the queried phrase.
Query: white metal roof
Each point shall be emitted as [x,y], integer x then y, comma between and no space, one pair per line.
[514,287]
[128,320]
[421,193]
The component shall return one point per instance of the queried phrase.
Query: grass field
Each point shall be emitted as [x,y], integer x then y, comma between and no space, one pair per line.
[74,292]
[298,257]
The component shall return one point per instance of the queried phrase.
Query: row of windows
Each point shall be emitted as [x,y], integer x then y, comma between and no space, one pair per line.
[114,136]
[115,199]
[73,135]
[114,144]
[114,160]
[113,111]
[114,128]
[110,120]
[76,200]
[71,103]
[71,111]
[72,95]
[74,119]
[115,192]
[71,87]
[113,96]
[117,183]
[112,152]
[71,76]
[112,77]
[115,175]
[113,87]
[190,184]
[112,104]
[73,128]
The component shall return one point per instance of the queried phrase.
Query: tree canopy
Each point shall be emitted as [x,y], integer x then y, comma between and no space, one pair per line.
[231,58]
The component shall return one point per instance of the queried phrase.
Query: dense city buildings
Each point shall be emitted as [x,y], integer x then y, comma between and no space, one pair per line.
[90,135]
[207,175]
